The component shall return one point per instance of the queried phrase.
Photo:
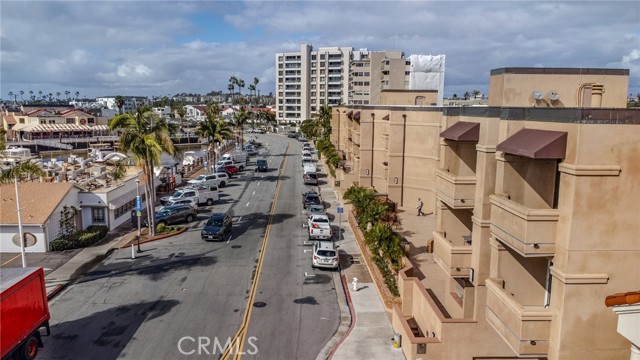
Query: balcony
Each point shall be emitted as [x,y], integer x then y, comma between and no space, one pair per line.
[454,259]
[530,232]
[457,191]
[355,137]
[524,328]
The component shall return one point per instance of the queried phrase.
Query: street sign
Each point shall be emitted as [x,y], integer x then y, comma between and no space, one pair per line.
[340,209]
[138,203]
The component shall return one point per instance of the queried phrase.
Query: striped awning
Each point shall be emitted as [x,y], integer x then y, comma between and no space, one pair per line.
[57,128]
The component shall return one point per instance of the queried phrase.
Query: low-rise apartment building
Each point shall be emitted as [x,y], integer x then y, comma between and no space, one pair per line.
[535,198]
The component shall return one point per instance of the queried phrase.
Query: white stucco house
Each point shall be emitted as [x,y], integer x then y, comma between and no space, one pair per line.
[44,204]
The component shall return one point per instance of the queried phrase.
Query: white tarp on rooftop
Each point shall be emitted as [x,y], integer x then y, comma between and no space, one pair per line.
[427,73]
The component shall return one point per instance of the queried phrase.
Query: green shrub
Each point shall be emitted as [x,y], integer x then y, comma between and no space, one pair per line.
[61,245]
[81,238]
[161,228]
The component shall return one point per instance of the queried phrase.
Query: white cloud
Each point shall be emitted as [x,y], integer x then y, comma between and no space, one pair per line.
[156,48]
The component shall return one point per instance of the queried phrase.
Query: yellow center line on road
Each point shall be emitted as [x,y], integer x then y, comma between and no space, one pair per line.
[10,260]
[237,343]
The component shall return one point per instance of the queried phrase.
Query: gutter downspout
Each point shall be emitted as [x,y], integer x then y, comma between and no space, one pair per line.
[404,145]
[373,136]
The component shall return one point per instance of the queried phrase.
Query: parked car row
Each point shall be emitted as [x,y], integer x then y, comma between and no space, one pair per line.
[325,254]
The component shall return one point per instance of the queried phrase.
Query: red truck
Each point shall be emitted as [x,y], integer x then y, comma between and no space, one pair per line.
[23,311]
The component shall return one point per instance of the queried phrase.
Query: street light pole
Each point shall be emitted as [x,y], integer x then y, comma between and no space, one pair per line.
[138,211]
[22,254]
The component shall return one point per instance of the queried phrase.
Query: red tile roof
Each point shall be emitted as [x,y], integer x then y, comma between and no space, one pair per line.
[629,298]
[10,119]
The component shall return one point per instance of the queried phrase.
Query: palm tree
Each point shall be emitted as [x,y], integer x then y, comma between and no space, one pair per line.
[58,95]
[239,119]
[10,94]
[251,88]
[230,87]
[50,97]
[233,81]
[256,81]
[181,111]
[118,171]
[40,94]
[21,93]
[31,95]
[145,135]
[213,129]
[66,93]
[77,93]
[475,93]
[466,95]
[323,121]
[240,86]
[119,100]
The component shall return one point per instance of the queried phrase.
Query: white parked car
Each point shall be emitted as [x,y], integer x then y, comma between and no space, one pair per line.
[319,227]
[325,255]
[208,180]
[223,179]
[199,196]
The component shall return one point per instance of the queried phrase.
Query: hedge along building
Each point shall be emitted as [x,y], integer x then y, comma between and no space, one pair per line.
[536,205]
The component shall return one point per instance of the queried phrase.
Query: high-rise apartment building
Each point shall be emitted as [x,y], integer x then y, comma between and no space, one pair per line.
[308,79]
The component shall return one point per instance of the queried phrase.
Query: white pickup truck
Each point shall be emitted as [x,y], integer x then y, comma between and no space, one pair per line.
[199,196]
[319,227]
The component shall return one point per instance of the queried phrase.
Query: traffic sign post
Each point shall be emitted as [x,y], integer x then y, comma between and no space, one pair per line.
[340,210]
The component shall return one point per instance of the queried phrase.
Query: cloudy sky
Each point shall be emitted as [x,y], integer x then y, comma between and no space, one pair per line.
[165,47]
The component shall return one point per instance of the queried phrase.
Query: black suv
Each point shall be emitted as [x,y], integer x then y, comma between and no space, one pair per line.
[309,198]
[217,227]
[261,165]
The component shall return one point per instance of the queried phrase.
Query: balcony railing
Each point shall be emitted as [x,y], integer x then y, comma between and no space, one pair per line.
[524,328]
[455,260]
[530,232]
[457,191]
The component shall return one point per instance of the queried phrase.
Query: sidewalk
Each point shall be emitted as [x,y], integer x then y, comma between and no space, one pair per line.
[88,257]
[370,335]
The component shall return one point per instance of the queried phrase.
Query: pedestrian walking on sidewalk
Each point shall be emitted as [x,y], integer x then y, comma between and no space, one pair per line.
[419,207]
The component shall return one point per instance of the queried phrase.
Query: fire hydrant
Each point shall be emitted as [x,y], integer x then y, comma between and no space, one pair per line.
[355,284]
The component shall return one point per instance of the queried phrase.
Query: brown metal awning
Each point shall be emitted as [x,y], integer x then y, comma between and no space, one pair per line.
[462,131]
[356,115]
[536,144]
[386,117]
[350,113]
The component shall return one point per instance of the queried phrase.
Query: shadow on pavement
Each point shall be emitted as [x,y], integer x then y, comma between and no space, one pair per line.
[102,335]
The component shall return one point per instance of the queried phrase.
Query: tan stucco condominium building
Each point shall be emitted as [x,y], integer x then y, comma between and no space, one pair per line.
[536,199]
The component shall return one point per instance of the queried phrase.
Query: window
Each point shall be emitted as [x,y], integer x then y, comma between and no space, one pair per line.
[51,121]
[407,73]
[98,215]
[91,121]
[321,56]
[21,120]
[313,57]
[313,86]
[313,65]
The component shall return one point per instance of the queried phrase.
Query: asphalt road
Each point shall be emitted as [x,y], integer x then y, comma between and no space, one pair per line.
[184,298]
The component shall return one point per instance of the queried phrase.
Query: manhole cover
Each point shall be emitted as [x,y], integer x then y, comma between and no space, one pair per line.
[259,304]
[236,246]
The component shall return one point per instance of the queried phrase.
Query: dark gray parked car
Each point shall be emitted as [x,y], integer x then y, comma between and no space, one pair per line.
[170,215]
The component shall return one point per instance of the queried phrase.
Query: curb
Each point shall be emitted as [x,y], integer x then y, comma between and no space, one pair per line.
[129,243]
[345,287]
